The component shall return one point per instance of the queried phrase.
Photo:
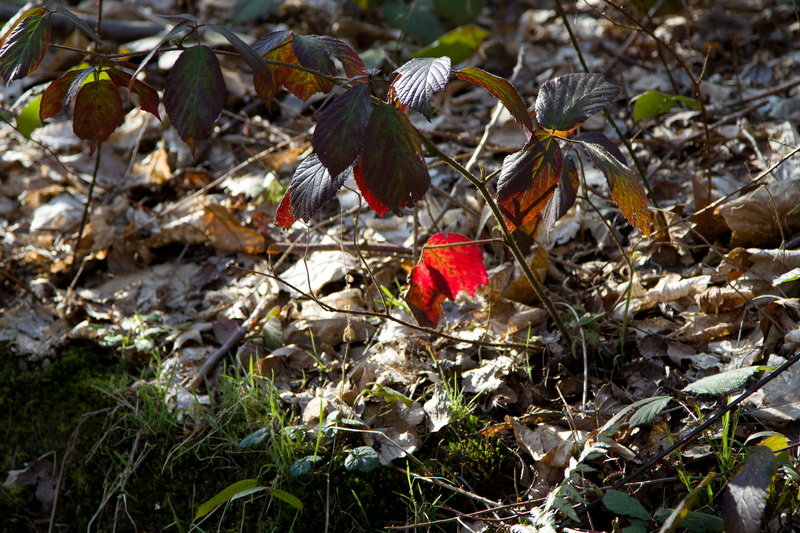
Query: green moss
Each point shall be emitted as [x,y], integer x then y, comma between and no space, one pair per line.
[40,408]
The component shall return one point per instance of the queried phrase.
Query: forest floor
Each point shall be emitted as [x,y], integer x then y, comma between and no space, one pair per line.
[673,404]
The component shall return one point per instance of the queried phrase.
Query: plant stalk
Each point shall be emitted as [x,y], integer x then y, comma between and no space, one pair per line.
[538,288]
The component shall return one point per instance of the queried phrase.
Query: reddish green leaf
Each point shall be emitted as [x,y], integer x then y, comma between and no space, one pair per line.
[311,187]
[341,127]
[24,45]
[564,197]
[312,54]
[194,94]
[267,88]
[565,102]
[392,174]
[627,192]
[148,97]
[442,273]
[300,83]
[527,181]
[250,56]
[61,91]
[419,79]
[98,111]
[502,90]
[745,497]
[351,62]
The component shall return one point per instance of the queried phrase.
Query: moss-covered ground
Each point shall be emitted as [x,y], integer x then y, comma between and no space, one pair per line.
[122,463]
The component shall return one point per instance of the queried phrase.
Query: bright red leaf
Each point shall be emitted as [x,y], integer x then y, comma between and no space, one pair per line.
[392,174]
[24,45]
[284,216]
[194,94]
[442,272]
[98,111]
[527,181]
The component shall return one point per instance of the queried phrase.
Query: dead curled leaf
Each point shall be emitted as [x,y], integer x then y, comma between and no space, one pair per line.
[226,235]
[764,216]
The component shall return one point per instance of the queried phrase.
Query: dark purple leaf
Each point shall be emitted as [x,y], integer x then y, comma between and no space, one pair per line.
[313,53]
[80,24]
[148,97]
[61,91]
[502,90]
[565,102]
[419,79]
[392,174]
[250,56]
[271,41]
[527,181]
[627,192]
[312,186]
[98,111]
[341,127]
[24,45]
[744,498]
[194,94]
[564,197]
[351,62]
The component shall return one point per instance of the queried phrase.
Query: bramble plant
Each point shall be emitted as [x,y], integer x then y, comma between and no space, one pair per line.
[363,132]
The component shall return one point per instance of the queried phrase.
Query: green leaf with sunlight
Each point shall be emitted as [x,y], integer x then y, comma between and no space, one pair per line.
[625,504]
[28,119]
[724,382]
[653,103]
[458,44]
[228,494]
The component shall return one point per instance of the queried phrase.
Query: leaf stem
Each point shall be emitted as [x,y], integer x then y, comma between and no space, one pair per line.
[538,288]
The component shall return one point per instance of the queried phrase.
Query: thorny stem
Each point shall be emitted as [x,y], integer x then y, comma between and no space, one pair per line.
[698,93]
[758,385]
[87,207]
[574,40]
[507,237]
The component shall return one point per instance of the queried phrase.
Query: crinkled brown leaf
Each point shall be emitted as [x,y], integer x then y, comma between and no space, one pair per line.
[227,235]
